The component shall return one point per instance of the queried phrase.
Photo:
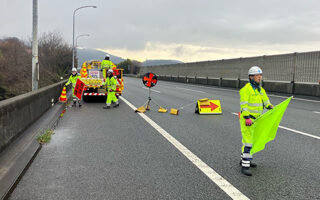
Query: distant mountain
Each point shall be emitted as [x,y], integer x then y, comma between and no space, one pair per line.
[92,54]
[160,62]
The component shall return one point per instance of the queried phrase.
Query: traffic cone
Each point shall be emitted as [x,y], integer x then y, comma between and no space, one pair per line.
[63,96]
[84,73]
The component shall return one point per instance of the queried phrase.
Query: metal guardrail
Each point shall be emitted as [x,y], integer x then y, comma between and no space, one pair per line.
[295,67]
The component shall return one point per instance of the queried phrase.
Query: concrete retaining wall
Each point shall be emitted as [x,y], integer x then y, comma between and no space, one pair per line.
[19,112]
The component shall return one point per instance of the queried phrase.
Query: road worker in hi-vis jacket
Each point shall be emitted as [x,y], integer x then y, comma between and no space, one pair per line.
[111,84]
[253,99]
[106,64]
[73,79]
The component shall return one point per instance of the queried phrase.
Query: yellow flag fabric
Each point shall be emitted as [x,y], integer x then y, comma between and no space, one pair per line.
[264,128]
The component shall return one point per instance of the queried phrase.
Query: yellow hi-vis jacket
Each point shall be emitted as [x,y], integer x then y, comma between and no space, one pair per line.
[73,80]
[252,102]
[106,64]
[111,84]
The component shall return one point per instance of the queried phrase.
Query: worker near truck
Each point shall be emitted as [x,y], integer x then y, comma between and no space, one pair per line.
[253,99]
[73,79]
[106,64]
[111,84]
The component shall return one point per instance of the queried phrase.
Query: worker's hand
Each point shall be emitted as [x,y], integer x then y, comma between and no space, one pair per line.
[248,122]
[270,107]
[110,90]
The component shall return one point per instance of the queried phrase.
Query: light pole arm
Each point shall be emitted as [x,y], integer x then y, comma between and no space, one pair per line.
[73,28]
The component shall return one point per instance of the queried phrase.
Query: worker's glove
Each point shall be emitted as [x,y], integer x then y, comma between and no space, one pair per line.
[248,122]
[270,107]
[110,90]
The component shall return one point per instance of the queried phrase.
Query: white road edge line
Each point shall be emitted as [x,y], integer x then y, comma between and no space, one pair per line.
[190,89]
[151,89]
[295,131]
[316,112]
[229,189]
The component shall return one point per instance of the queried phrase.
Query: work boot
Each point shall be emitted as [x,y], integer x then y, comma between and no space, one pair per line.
[246,171]
[106,107]
[116,105]
[74,104]
[80,105]
[252,164]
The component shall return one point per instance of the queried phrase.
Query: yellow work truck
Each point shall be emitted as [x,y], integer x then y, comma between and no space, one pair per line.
[92,75]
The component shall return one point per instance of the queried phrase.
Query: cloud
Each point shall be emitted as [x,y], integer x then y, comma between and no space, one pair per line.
[177,29]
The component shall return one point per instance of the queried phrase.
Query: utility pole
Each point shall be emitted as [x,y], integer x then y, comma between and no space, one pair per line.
[35,62]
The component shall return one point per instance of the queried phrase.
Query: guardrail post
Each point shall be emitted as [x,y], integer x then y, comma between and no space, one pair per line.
[293,72]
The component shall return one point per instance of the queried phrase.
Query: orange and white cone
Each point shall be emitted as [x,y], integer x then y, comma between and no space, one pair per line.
[63,96]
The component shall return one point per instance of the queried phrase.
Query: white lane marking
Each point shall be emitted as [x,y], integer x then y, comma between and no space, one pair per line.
[295,131]
[300,132]
[316,112]
[295,98]
[305,100]
[190,89]
[229,189]
[151,89]
[272,95]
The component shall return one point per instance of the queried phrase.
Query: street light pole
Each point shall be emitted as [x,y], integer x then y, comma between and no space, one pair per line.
[74,12]
[76,50]
[35,62]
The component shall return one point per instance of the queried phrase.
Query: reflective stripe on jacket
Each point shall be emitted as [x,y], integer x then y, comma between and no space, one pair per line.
[252,102]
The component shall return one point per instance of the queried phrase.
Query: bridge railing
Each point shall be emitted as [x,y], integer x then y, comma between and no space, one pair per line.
[295,67]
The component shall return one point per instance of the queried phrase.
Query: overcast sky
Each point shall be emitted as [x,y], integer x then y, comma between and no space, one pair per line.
[174,29]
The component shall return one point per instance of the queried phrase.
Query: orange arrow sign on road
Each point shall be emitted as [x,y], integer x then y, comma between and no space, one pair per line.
[212,106]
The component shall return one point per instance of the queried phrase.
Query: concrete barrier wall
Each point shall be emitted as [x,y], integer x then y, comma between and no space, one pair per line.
[232,83]
[19,112]
[307,89]
[274,86]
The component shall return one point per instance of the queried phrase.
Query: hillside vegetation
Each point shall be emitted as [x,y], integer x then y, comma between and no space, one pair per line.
[55,60]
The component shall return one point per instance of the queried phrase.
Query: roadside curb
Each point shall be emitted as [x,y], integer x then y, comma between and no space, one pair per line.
[18,156]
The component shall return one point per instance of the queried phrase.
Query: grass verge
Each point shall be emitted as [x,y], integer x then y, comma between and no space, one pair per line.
[45,137]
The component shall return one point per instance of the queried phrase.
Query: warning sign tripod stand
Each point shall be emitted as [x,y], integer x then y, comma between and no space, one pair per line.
[149,80]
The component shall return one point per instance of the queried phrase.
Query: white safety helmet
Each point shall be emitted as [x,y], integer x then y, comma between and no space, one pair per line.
[110,71]
[254,70]
[107,55]
[74,69]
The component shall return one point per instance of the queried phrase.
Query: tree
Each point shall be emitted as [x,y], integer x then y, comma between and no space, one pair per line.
[55,59]
[129,66]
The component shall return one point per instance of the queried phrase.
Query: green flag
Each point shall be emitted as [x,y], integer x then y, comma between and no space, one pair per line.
[264,128]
